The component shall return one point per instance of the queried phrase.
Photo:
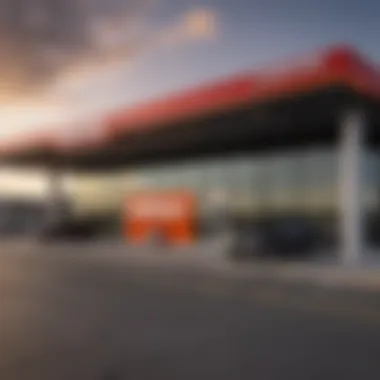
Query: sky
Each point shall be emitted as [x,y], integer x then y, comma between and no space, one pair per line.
[180,44]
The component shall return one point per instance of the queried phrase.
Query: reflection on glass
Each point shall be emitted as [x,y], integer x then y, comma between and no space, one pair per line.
[255,184]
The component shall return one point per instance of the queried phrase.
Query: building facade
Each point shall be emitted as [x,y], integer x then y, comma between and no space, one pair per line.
[253,186]
[255,146]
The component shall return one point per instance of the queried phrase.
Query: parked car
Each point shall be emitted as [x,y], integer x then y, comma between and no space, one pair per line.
[281,236]
[79,229]
[71,229]
[21,217]
[291,236]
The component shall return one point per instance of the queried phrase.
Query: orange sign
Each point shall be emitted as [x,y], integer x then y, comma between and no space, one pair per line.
[170,215]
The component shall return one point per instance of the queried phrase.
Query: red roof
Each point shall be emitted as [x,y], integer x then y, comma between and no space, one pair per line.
[336,65]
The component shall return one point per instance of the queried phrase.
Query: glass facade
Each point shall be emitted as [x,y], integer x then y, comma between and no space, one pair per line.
[371,176]
[372,179]
[299,182]
[254,185]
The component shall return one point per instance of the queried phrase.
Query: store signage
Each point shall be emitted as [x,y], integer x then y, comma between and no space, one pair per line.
[163,207]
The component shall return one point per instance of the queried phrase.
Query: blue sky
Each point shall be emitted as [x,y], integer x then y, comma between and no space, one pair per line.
[251,33]
[248,34]
[254,32]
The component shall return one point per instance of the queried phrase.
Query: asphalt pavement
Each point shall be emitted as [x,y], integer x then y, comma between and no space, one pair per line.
[76,317]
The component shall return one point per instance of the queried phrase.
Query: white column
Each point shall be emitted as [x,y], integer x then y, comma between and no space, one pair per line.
[351,152]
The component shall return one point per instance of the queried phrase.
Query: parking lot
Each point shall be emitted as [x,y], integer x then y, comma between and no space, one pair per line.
[111,317]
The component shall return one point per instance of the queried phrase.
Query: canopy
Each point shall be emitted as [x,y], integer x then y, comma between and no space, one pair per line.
[306,93]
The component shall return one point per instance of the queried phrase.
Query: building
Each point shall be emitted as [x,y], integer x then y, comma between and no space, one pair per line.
[297,139]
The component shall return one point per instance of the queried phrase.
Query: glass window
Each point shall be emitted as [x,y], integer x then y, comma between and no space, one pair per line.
[281,174]
[300,182]
[190,176]
[256,185]
[371,178]
[160,177]
[322,180]
[244,185]
[212,174]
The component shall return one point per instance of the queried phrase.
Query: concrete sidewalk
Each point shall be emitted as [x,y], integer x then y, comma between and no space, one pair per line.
[211,258]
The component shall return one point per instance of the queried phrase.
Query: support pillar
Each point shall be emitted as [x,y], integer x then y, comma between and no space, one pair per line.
[56,196]
[350,196]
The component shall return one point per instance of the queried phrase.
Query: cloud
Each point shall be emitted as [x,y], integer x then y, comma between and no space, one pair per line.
[23,116]
[40,39]
[195,24]
[109,42]
[201,23]
[42,42]
[115,49]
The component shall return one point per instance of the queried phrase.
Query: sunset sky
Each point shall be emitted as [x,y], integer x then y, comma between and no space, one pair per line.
[184,43]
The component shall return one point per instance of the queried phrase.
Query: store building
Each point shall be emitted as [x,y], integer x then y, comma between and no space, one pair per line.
[299,139]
